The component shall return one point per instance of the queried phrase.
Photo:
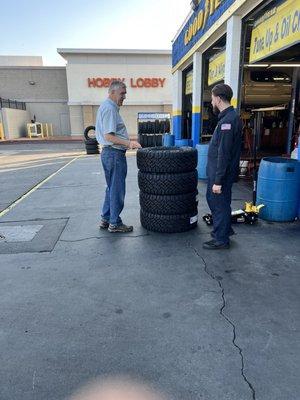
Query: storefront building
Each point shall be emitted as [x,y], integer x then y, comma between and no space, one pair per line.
[146,73]
[253,46]
[68,97]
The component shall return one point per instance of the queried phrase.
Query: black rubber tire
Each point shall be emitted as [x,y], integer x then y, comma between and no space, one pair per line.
[167,126]
[142,139]
[140,128]
[91,146]
[167,159]
[169,204]
[144,127]
[145,140]
[91,142]
[86,132]
[152,140]
[92,151]
[162,127]
[168,223]
[159,140]
[168,184]
[156,126]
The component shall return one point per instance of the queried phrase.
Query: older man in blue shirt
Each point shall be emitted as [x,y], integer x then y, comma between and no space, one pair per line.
[112,134]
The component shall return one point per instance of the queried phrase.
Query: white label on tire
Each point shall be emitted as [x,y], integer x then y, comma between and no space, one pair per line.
[193,219]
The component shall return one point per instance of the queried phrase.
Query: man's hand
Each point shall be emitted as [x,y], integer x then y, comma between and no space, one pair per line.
[217,189]
[133,144]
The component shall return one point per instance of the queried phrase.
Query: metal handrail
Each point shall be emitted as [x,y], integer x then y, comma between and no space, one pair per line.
[7,103]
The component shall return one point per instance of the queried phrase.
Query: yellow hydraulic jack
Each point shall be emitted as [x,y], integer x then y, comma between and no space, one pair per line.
[249,207]
[248,215]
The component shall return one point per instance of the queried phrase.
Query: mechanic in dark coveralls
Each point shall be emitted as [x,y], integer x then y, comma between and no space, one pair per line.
[222,166]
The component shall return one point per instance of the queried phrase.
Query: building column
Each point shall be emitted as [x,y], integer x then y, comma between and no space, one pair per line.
[177,104]
[233,56]
[197,92]
[88,118]
[76,120]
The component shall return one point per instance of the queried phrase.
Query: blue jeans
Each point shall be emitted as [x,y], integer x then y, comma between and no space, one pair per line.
[115,169]
[220,207]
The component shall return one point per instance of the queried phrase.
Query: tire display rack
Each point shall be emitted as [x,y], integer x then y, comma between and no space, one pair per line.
[152,127]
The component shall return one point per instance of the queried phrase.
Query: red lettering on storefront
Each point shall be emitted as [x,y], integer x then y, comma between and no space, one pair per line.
[99,82]
[91,82]
[140,82]
[161,81]
[106,82]
[134,83]
[147,82]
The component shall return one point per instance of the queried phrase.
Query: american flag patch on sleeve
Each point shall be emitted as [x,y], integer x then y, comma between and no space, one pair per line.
[225,127]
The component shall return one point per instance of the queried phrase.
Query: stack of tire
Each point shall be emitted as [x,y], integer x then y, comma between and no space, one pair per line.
[91,144]
[167,181]
[151,132]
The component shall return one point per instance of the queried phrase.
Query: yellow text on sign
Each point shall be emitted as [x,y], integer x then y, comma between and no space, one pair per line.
[277,29]
[189,83]
[216,68]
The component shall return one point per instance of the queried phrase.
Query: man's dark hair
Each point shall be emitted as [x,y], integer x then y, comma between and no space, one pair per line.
[223,91]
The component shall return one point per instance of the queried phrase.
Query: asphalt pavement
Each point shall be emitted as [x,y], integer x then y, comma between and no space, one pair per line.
[79,303]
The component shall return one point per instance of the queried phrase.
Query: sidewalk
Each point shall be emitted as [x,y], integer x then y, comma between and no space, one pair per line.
[77,303]
[50,139]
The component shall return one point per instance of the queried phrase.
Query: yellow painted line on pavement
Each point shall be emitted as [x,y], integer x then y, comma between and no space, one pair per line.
[11,206]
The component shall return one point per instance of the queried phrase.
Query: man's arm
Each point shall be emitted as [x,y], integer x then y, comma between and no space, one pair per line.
[130,144]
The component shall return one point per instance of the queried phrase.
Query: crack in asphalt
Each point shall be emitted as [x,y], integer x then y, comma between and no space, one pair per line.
[218,280]
[103,237]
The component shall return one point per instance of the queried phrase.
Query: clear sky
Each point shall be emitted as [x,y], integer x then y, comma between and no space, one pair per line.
[39,27]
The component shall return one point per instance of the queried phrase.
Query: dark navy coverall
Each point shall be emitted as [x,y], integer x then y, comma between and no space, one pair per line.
[222,169]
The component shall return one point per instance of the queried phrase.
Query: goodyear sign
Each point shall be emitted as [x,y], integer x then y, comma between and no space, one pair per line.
[203,18]
[216,68]
[275,30]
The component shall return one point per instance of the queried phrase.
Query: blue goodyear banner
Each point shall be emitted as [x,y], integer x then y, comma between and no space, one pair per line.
[204,17]
[277,29]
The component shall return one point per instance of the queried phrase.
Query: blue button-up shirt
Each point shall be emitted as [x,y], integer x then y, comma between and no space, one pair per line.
[109,120]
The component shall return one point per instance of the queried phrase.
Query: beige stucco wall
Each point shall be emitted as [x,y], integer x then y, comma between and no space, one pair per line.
[43,89]
[14,122]
[81,93]
[84,100]
[76,120]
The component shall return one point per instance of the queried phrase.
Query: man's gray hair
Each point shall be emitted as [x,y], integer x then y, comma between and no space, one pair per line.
[115,85]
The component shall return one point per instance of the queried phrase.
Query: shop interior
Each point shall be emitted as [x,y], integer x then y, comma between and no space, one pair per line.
[269,91]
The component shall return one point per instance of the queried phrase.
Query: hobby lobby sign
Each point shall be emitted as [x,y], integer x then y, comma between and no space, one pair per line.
[133,82]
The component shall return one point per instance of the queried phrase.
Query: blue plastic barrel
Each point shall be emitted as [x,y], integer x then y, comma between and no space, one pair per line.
[278,188]
[169,140]
[202,150]
[183,142]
